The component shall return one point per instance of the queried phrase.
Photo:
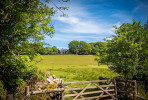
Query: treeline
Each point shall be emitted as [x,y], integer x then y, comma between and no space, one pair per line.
[37,47]
[83,48]
[75,47]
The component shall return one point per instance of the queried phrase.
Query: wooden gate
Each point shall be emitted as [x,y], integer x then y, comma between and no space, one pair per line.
[92,90]
[111,89]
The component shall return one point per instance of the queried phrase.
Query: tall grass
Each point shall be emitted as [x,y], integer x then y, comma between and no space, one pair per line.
[74,67]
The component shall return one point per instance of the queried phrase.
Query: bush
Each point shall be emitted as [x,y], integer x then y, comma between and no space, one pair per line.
[3,92]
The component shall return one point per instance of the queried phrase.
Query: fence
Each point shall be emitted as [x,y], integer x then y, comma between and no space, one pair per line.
[88,90]
[59,91]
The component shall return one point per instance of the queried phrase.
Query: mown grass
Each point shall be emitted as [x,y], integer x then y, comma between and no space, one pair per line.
[74,67]
[68,60]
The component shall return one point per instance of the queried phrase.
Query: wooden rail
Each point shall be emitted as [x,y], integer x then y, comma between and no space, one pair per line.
[68,95]
[87,81]
[47,91]
[92,87]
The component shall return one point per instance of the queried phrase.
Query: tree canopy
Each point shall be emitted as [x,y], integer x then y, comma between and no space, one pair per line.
[127,52]
[83,48]
[21,21]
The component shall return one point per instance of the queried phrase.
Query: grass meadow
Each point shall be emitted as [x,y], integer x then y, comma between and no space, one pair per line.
[74,67]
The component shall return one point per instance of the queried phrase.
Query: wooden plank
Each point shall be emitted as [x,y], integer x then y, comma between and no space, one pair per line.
[94,97]
[82,91]
[47,91]
[87,82]
[75,92]
[85,93]
[104,90]
[92,87]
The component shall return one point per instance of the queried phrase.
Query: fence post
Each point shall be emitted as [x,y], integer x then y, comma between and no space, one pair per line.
[62,93]
[115,89]
[26,92]
[135,90]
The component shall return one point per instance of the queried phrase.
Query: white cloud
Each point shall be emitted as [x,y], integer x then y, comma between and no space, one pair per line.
[59,37]
[108,38]
[69,20]
[81,22]
[78,25]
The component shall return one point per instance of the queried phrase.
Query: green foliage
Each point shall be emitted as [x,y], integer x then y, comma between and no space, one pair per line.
[47,51]
[98,47]
[37,48]
[22,21]
[127,52]
[15,72]
[74,47]
[3,92]
[55,50]
[83,48]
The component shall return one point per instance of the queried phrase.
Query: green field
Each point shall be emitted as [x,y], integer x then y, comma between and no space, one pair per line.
[74,67]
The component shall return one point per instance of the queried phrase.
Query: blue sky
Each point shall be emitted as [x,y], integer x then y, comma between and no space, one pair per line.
[92,20]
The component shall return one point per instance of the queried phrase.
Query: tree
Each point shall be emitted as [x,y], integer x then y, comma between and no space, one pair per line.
[74,47]
[47,51]
[85,48]
[21,21]
[82,48]
[55,50]
[127,52]
[98,47]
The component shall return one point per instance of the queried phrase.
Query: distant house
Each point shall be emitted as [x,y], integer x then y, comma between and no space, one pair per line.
[63,51]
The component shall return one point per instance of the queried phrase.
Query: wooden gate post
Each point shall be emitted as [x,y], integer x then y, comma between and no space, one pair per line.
[26,92]
[115,88]
[62,93]
[135,90]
